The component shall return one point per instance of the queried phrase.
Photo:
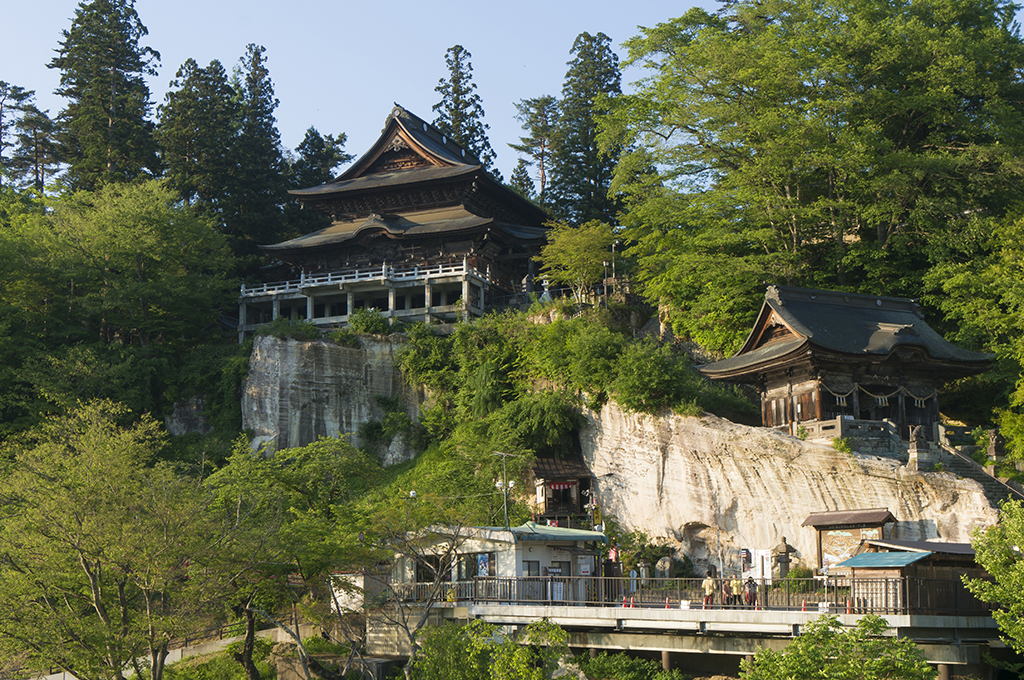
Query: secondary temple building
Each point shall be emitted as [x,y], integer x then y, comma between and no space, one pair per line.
[419,231]
[827,356]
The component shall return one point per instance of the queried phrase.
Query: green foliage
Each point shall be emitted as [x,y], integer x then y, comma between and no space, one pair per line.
[100,540]
[651,378]
[460,114]
[798,579]
[345,338]
[103,66]
[998,550]
[369,320]
[801,432]
[833,144]
[577,256]
[537,116]
[296,329]
[484,652]
[581,172]
[826,649]
[222,666]
[842,444]
[621,666]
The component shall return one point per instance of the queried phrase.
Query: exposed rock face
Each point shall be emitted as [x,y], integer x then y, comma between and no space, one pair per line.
[298,391]
[188,417]
[682,479]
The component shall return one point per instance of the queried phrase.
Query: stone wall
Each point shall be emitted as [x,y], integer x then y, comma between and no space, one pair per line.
[299,391]
[689,480]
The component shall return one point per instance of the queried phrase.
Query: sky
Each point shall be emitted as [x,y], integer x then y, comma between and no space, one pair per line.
[340,66]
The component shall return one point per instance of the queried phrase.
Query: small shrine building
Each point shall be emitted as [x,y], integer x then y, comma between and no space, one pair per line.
[419,231]
[823,355]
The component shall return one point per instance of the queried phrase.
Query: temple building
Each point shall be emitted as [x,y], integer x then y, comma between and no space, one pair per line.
[821,356]
[420,231]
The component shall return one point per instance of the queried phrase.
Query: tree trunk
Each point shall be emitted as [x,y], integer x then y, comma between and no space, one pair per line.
[244,656]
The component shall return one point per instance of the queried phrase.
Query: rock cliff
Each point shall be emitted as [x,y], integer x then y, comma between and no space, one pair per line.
[298,391]
[683,479]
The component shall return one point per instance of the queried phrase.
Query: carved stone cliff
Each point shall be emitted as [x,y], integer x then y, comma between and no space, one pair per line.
[690,480]
[299,391]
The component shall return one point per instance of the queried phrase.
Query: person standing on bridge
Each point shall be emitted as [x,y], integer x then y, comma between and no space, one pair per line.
[736,586]
[750,593]
[708,584]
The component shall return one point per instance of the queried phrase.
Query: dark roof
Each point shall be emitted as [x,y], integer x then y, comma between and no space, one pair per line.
[843,323]
[560,468]
[925,546]
[883,560]
[389,180]
[450,221]
[849,517]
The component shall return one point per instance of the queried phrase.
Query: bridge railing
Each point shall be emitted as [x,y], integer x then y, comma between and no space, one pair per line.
[836,595]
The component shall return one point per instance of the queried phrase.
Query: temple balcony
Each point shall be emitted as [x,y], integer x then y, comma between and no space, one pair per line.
[447,291]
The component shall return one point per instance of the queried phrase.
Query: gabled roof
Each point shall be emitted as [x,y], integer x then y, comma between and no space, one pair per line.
[883,560]
[795,321]
[870,516]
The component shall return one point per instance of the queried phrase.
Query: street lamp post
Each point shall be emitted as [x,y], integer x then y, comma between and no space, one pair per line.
[504,485]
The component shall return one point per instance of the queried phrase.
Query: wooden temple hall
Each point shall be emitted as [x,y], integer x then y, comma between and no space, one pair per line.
[822,356]
[419,231]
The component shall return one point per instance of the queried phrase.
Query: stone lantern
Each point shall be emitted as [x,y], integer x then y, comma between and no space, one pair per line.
[782,558]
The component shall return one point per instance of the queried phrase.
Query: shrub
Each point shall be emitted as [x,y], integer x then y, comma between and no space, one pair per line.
[283,327]
[842,444]
[345,338]
[369,321]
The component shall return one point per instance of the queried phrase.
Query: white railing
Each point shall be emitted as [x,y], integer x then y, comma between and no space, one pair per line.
[381,273]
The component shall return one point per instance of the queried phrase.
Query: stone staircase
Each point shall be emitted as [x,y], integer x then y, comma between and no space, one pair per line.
[963,466]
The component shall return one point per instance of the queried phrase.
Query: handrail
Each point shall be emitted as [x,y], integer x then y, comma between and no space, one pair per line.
[381,272]
[837,595]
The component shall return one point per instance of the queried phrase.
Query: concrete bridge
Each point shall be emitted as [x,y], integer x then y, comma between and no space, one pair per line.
[666,618]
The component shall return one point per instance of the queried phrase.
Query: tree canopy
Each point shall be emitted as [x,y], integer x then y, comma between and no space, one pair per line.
[460,113]
[831,143]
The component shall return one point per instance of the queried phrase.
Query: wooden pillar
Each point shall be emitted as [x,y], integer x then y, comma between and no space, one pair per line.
[309,308]
[856,401]
[275,309]
[391,300]
[350,303]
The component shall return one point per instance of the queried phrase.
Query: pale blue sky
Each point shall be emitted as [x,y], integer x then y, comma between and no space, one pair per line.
[339,66]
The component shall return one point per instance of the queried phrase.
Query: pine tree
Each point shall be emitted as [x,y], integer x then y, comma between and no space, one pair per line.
[580,173]
[521,182]
[319,156]
[106,135]
[35,157]
[538,117]
[460,114]
[13,100]
[196,131]
[256,190]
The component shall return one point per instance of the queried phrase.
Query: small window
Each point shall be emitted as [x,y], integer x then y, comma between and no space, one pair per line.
[531,568]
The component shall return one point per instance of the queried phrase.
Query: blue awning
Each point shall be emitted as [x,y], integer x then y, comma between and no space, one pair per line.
[883,560]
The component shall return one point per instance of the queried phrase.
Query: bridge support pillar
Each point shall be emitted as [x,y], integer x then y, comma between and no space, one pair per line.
[593,652]
[666,660]
[943,671]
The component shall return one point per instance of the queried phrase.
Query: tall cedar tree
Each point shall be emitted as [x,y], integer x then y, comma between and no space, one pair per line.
[460,114]
[580,172]
[256,190]
[196,131]
[538,117]
[319,156]
[13,100]
[521,182]
[105,132]
[35,157]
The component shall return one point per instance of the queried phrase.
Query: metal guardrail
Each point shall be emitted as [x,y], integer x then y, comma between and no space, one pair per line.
[375,273]
[836,595]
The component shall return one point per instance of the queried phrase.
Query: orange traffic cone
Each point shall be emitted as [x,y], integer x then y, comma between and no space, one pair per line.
[623,601]
[803,607]
[631,604]
[667,605]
